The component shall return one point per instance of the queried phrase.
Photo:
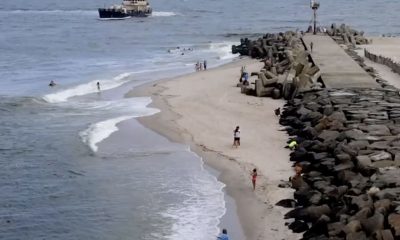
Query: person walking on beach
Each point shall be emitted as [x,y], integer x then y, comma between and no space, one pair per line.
[236,137]
[311,46]
[201,66]
[254,178]
[205,65]
[98,86]
[223,235]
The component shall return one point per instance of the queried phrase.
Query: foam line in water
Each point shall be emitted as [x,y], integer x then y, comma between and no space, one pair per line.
[97,132]
[199,215]
[163,14]
[100,131]
[86,88]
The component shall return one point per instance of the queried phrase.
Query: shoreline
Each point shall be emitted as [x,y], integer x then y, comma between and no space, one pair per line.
[258,216]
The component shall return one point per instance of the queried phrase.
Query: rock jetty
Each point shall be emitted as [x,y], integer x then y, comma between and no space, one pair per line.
[349,153]
[347,159]
[287,69]
[344,34]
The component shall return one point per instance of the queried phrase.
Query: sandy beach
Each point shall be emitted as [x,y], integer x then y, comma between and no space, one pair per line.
[201,110]
[386,47]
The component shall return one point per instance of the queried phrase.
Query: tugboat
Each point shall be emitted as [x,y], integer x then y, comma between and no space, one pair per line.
[129,8]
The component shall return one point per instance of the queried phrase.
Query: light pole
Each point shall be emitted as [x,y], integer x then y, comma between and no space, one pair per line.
[314,6]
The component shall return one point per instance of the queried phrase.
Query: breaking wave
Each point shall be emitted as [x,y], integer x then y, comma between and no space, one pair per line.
[87,88]
[99,131]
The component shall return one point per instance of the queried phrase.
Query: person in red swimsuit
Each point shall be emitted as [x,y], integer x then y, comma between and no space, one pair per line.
[253,178]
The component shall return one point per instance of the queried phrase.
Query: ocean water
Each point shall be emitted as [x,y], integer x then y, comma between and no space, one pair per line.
[74,162]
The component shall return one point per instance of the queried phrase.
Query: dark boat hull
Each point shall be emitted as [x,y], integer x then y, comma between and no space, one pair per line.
[119,14]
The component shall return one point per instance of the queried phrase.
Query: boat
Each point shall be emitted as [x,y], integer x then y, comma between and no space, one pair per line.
[128,8]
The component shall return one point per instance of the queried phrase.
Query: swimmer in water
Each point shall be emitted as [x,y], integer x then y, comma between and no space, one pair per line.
[52,83]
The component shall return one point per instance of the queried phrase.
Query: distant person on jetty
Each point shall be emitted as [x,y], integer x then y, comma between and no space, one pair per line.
[223,235]
[311,46]
[254,178]
[52,83]
[236,137]
[205,65]
[98,86]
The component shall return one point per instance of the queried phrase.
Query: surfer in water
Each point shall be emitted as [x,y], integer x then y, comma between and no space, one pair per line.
[98,86]
[52,83]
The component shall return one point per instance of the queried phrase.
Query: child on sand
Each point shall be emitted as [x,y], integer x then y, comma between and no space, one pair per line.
[254,178]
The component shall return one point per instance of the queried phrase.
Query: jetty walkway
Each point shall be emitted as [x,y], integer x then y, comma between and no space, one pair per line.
[338,69]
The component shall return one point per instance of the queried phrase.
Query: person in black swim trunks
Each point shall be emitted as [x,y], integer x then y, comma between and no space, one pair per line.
[236,137]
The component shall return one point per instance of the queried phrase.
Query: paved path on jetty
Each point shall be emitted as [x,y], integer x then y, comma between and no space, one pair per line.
[338,69]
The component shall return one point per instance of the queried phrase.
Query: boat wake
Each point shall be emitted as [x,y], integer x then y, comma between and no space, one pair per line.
[164,14]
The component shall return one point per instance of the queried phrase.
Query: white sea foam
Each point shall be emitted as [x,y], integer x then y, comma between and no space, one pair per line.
[100,131]
[223,50]
[163,14]
[198,216]
[86,88]
[97,132]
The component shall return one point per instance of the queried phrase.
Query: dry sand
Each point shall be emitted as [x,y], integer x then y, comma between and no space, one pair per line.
[201,110]
[387,47]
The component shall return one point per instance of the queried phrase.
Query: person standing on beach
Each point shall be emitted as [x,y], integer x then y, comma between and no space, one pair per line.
[205,65]
[223,235]
[254,178]
[311,46]
[201,66]
[236,137]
